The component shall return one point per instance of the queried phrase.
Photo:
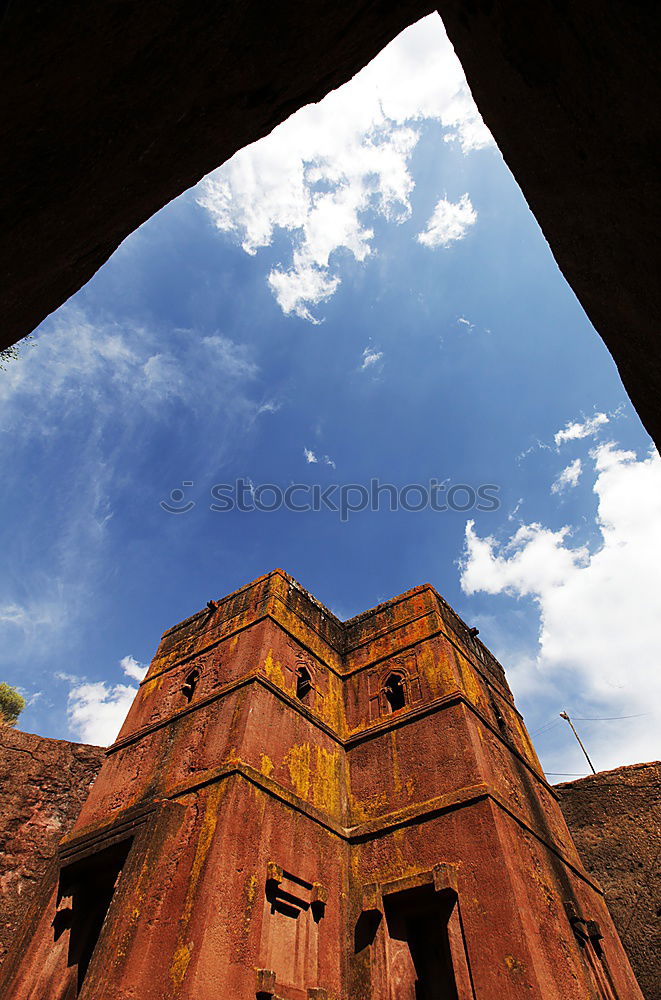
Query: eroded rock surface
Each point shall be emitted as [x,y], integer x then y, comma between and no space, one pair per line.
[111,109]
[615,819]
[43,784]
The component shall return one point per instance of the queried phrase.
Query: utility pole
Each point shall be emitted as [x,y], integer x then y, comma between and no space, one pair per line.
[563,715]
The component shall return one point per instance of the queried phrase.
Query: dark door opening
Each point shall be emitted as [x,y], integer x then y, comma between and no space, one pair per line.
[420,960]
[91,884]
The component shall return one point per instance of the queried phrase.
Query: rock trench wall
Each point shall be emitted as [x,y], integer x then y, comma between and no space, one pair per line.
[43,784]
[615,820]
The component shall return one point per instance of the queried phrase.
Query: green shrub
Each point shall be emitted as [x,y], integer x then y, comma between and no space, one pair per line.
[11,704]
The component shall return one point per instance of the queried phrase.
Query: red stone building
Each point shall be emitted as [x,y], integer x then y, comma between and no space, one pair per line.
[302,808]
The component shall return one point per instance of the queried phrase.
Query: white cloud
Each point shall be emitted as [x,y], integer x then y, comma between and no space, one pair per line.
[599,608]
[95,709]
[133,668]
[311,458]
[569,477]
[301,286]
[370,357]
[466,322]
[320,173]
[449,222]
[574,431]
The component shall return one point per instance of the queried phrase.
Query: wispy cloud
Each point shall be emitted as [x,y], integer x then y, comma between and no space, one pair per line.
[575,430]
[449,222]
[569,477]
[112,393]
[370,358]
[320,175]
[311,458]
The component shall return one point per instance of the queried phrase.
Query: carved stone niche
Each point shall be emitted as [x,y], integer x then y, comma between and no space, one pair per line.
[589,937]
[288,892]
[289,949]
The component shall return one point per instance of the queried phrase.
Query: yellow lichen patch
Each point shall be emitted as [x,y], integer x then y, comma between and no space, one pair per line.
[273,670]
[298,762]
[326,780]
[526,742]
[333,704]
[514,965]
[357,809]
[437,670]
[251,890]
[366,809]
[209,823]
[266,765]
[469,682]
[180,961]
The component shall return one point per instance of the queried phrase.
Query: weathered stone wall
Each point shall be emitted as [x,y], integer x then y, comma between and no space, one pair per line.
[271,824]
[615,819]
[614,816]
[43,784]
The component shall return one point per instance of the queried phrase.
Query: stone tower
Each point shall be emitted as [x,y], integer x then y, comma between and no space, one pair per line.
[301,808]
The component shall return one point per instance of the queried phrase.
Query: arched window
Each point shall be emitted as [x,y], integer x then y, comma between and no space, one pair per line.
[189,685]
[303,683]
[395,692]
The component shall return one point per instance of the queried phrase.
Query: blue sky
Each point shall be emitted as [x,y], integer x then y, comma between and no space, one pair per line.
[363,294]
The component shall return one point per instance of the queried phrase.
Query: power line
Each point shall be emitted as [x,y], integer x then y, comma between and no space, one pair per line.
[566,774]
[552,723]
[546,727]
[613,718]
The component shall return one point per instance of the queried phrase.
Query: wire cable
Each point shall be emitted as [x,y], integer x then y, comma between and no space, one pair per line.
[612,718]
